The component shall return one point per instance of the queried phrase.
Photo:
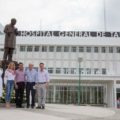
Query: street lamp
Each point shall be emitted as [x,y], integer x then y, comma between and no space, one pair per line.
[79,61]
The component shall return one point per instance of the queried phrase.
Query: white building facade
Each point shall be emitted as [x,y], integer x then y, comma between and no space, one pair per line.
[95,80]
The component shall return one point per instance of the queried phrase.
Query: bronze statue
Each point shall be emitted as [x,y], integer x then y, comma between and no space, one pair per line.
[10,40]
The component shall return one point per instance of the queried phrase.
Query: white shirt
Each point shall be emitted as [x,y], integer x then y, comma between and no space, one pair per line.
[9,75]
[42,76]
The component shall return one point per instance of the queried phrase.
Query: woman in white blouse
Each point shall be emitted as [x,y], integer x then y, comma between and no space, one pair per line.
[9,80]
[1,71]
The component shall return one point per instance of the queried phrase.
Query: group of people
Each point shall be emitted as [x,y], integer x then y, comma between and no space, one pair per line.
[35,83]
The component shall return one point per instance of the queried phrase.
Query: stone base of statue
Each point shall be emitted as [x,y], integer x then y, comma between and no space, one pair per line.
[5,64]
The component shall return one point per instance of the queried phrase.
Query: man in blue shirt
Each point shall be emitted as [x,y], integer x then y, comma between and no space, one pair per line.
[31,77]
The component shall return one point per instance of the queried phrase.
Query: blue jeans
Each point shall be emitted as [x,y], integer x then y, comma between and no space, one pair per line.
[9,88]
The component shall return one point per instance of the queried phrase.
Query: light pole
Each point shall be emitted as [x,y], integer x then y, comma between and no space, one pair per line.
[79,61]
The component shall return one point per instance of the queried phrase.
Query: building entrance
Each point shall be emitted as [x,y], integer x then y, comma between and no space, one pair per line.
[89,94]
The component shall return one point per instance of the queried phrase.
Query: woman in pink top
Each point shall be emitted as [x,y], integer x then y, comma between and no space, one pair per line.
[9,78]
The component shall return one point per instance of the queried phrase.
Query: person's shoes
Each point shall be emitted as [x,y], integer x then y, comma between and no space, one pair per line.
[7,105]
[42,107]
[17,106]
[38,107]
[32,107]
[21,106]
[28,106]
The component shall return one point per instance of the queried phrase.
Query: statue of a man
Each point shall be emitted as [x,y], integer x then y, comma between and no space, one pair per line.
[10,39]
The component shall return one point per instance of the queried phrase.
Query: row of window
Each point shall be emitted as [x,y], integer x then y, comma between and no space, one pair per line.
[82,71]
[69,49]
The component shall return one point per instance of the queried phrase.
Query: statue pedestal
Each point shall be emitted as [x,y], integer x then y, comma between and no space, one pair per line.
[5,64]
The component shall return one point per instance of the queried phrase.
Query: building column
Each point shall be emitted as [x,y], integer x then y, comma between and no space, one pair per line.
[115,95]
[111,94]
[54,94]
[105,94]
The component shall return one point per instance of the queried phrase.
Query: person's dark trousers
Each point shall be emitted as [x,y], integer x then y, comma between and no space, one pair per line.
[19,94]
[8,53]
[29,88]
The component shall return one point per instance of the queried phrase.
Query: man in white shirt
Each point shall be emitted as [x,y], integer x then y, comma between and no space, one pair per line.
[41,85]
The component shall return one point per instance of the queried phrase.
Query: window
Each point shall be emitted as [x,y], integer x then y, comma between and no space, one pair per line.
[29,48]
[73,70]
[73,49]
[1,49]
[103,49]
[26,68]
[14,51]
[81,71]
[96,71]
[22,48]
[36,68]
[96,50]
[104,71]
[59,49]
[88,71]
[118,49]
[88,49]
[65,70]
[51,48]
[81,49]
[66,49]
[36,48]
[44,48]
[110,49]
[58,70]
[50,70]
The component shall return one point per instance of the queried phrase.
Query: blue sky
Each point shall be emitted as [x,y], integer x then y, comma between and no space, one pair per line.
[86,15]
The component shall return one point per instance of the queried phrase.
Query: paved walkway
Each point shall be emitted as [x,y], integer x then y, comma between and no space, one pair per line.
[60,112]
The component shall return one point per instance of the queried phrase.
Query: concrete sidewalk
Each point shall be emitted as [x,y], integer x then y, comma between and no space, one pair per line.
[60,112]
